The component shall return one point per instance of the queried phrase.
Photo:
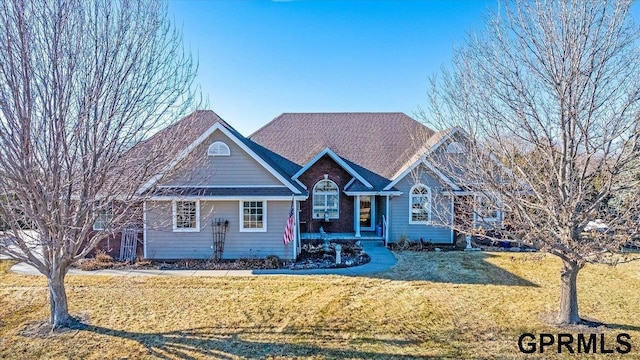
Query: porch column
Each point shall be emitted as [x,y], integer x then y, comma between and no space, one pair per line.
[387,221]
[357,217]
[474,209]
[453,221]
[298,241]
[144,229]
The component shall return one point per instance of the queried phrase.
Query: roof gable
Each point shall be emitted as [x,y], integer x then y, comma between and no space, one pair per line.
[428,165]
[379,142]
[339,161]
[431,145]
[238,168]
[246,145]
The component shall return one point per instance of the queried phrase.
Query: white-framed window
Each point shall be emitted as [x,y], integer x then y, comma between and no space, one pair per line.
[253,216]
[419,204]
[326,200]
[103,218]
[218,148]
[486,210]
[186,216]
[455,147]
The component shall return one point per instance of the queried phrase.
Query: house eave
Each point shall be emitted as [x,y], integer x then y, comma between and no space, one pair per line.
[377,193]
[228,198]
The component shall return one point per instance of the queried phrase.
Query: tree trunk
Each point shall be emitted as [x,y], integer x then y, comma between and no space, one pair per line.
[569,293]
[58,300]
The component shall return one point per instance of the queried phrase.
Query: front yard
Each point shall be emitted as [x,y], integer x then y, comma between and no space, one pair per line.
[450,304]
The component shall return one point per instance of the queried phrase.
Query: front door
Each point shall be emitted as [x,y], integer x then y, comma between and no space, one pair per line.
[367,212]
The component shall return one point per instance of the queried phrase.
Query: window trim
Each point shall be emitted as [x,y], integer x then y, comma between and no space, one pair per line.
[241,216]
[220,145]
[429,203]
[478,216]
[313,200]
[174,219]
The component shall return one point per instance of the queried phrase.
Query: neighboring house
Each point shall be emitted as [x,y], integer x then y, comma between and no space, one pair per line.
[350,175]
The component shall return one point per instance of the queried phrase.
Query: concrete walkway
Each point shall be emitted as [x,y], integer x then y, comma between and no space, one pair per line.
[381,260]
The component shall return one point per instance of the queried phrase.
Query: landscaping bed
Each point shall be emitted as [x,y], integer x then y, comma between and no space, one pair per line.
[312,256]
[480,243]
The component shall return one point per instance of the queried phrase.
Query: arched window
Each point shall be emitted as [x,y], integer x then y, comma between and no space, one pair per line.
[218,148]
[455,148]
[326,200]
[420,204]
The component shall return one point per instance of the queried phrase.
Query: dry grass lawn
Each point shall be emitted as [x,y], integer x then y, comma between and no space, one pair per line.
[431,305]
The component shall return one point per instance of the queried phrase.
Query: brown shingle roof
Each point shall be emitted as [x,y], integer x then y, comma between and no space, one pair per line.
[379,142]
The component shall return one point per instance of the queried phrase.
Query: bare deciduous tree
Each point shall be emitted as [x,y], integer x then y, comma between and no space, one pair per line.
[550,97]
[81,82]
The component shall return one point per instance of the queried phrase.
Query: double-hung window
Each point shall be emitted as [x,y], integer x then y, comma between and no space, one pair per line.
[253,216]
[186,216]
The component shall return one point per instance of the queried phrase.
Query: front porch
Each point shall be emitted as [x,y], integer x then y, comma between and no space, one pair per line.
[364,235]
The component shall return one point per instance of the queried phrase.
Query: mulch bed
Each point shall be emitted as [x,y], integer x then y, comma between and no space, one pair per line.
[312,256]
[483,244]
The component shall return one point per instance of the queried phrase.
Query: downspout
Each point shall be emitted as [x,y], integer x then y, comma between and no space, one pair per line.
[452,217]
[357,217]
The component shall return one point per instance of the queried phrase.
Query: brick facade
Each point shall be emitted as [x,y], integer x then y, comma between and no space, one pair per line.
[344,224]
[111,246]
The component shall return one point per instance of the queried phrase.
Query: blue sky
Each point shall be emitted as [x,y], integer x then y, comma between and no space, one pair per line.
[258,59]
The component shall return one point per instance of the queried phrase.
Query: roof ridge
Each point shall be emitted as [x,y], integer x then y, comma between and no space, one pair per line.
[265,125]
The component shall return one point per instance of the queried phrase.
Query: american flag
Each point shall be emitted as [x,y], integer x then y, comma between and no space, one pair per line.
[288,230]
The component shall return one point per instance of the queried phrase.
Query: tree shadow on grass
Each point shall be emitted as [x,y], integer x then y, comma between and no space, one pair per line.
[586,325]
[454,267]
[221,343]
[623,327]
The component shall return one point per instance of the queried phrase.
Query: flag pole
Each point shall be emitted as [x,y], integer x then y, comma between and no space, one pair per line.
[289,229]
[295,227]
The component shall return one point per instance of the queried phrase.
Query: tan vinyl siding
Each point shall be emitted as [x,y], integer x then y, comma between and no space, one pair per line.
[238,169]
[440,212]
[163,243]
